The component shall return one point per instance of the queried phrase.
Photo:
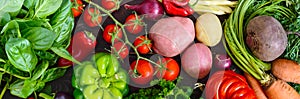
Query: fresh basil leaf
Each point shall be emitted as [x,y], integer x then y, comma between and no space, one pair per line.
[53,73]
[47,89]
[12,70]
[44,8]
[27,23]
[47,55]
[10,5]
[12,27]
[64,54]
[41,38]
[4,18]
[39,85]
[41,68]
[63,24]
[22,88]
[29,3]
[20,54]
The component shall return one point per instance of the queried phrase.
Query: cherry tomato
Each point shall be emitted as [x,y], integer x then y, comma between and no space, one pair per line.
[109,4]
[92,17]
[144,72]
[112,31]
[134,24]
[170,70]
[143,44]
[77,7]
[122,49]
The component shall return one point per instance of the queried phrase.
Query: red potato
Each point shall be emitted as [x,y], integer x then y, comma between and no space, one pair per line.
[172,35]
[197,60]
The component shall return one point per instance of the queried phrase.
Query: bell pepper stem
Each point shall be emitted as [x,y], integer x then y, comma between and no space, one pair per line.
[45,96]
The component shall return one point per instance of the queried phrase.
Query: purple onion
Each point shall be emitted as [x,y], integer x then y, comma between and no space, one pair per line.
[222,61]
[152,9]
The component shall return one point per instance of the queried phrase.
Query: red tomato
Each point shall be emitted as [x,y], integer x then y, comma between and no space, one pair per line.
[92,17]
[134,24]
[144,71]
[145,46]
[122,49]
[109,4]
[111,31]
[77,7]
[170,71]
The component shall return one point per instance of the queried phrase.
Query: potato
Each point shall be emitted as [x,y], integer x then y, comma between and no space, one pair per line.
[197,60]
[208,29]
[266,38]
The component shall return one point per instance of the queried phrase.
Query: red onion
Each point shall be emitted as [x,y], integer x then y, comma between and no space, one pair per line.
[222,61]
[152,9]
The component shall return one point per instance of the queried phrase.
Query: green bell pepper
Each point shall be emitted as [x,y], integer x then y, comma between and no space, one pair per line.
[101,77]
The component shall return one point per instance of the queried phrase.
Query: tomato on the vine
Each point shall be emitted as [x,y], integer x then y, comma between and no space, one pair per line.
[77,7]
[170,70]
[109,4]
[143,44]
[121,49]
[112,31]
[92,17]
[144,72]
[134,24]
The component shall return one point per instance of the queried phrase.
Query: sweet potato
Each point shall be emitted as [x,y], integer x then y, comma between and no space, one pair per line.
[286,70]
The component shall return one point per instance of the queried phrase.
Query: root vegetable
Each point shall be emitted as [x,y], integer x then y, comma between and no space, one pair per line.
[172,35]
[197,60]
[209,29]
[152,9]
[280,89]
[286,70]
[255,85]
[266,38]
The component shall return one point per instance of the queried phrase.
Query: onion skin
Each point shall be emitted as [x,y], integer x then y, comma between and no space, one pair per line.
[222,61]
[152,9]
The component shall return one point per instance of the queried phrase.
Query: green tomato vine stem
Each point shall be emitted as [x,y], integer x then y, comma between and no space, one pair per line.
[126,41]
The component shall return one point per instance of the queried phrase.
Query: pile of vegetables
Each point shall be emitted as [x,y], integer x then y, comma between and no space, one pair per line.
[34,34]
[155,51]
[244,21]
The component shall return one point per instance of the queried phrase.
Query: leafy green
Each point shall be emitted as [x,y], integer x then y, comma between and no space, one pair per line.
[12,27]
[29,3]
[53,73]
[29,23]
[63,23]
[41,38]
[10,5]
[34,34]
[4,18]
[165,89]
[40,70]
[22,88]
[20,54]
[45,8]
[64,54]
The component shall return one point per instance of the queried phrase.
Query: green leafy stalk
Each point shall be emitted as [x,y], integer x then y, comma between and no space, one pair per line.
[234,35]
